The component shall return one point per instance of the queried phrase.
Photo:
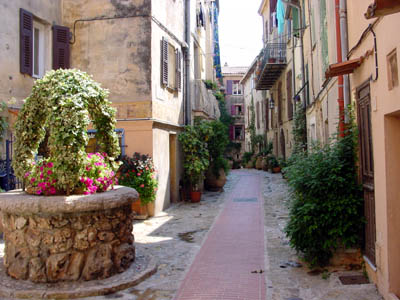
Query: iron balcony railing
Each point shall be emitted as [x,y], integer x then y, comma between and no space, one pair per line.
[271,62]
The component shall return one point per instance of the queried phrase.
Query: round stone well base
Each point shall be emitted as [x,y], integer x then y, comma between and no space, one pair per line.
[142,268]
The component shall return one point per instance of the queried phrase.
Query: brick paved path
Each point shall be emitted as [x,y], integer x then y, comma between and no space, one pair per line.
[225,266]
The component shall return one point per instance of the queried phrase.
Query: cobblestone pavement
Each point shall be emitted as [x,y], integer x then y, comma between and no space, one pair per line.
[175,237]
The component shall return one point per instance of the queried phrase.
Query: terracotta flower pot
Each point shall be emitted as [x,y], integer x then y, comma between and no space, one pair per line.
[140,210]
[259,163]
[195,196]
[276,170]
[213,183]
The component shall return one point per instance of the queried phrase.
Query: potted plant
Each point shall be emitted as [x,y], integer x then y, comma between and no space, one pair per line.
[195,156]
[274,164]
[138,172]
[216,145]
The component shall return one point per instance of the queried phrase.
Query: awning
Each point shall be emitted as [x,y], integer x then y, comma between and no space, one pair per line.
[343,68]
[382,8]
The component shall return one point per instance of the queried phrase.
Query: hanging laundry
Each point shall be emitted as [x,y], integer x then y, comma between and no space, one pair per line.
[280,14]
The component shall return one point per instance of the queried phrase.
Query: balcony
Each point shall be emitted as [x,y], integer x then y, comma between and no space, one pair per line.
[271,63]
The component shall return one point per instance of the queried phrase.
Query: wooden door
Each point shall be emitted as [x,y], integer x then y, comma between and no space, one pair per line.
[367,167]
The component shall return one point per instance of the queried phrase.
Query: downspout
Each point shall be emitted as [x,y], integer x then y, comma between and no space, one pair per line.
[345,50]
[186,103]
[293,72]
[340,78]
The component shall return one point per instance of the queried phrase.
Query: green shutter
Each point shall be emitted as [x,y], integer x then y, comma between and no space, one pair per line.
[295,17]
[324,35]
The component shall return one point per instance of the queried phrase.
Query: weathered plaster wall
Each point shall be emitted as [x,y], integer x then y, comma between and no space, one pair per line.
[116,52]
[385,109]
[167,103]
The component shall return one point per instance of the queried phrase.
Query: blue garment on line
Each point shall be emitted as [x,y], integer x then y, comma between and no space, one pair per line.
[280,15]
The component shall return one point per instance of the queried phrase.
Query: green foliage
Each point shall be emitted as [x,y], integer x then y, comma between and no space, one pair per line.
[259,142]
[138,172]
[252,126]
[3,120]
[299,130]
[225,117]
[247,156]
[327,209]
[273,162]
[64,102]
[217,146]
[210,85]
[194,140]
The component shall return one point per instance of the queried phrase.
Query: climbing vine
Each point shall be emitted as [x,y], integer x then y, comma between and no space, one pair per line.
[64,102]
[252,126]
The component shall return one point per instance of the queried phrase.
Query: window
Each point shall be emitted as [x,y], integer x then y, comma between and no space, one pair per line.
[237,110]
[32,45]
[171,66]
[393,77]
[236,88]
[38,49]
[93,147]
[238,132]
[258,115]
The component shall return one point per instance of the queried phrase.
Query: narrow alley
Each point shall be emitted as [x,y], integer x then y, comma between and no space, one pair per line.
[193,259]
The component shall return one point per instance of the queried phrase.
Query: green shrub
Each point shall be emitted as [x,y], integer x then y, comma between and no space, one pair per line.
[138,172]
[64,103]
[327,208]
[247,157]
[217,146]
[210,85]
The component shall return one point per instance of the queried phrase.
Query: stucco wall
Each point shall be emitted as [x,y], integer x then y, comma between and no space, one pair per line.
[167,104]
[116,52]
[385,110]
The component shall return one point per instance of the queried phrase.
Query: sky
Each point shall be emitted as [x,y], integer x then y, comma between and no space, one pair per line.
[240,31]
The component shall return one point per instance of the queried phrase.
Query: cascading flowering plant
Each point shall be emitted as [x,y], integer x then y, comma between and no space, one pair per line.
[96,177]
[138,172]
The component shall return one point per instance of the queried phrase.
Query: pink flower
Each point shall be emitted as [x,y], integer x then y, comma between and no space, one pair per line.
[138,174]
[41,176]
[49,172]
[50,165]
[41,168]
[147,168]
[33,180]
[155,189]
[52,190]
[39,191]
[142,185]
[88,168]
[27,174]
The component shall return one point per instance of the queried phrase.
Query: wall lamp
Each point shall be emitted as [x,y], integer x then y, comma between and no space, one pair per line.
[271,103]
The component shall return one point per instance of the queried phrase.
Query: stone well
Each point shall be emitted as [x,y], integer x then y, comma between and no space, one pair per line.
[67,238]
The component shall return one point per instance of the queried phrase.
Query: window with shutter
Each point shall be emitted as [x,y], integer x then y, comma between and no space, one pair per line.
[258,115]
[267,114]
[178,70]
[61,51]
[26,42]
[164,61]
[280,103]
[229,87]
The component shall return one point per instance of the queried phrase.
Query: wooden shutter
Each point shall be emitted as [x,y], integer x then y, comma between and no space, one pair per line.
[164,61]
[60,47]
[289,94]
[26,42]
[231,129]
[178,70]
[229,87]
[280,103]
[233,110]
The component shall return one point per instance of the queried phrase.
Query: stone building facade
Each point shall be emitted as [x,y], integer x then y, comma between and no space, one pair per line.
[137,49]
[234,97]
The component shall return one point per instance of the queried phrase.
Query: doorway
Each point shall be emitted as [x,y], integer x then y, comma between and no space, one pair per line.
[174,189]
[367,168]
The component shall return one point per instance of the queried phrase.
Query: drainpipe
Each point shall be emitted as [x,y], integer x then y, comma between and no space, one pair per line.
[345,51]
[340,78]
[186,102]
